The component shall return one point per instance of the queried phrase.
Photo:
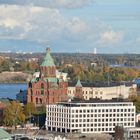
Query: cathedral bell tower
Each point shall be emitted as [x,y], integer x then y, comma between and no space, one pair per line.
[47,68]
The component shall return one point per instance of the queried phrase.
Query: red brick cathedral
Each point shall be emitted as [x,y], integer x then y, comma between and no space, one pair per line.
[46,88]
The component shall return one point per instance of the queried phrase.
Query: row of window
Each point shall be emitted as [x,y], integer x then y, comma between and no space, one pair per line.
[54,119]
[102,125]
[96,125]
[102,115]
[102,110]
[98,129]
[87,92]
[103,120]
[90,110]
[91,115]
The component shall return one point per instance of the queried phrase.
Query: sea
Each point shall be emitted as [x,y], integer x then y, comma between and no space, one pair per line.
[10,90]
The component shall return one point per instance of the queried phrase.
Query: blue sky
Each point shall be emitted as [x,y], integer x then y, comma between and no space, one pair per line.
[110,26]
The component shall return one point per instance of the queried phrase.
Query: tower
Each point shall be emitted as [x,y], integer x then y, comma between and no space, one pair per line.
[78,90]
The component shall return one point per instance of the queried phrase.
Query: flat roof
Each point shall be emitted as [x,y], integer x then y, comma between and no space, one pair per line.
[99,84]
[94,102]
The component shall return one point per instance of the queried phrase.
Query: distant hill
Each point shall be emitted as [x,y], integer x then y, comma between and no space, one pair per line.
[13,77]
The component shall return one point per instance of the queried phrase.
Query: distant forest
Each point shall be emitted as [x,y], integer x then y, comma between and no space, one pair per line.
[84,66]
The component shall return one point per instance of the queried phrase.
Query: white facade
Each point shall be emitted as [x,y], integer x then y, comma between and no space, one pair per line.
[97,117]
[58,75]
[104,92]
[132,133]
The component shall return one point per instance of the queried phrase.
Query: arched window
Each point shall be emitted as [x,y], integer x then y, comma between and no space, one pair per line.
[36,100]
[40,100]
[31,99]
[42,89]
[42,85]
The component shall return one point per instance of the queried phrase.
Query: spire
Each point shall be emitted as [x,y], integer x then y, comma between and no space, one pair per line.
[78,83]
[48,60]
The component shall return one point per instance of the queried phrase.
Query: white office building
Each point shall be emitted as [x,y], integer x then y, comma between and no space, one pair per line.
[93,116]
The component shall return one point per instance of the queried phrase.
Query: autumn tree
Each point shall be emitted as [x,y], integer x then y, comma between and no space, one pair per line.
[136,100]
[13,114]
[29,110]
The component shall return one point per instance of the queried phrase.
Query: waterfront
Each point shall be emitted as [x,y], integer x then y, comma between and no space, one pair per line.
[10,90]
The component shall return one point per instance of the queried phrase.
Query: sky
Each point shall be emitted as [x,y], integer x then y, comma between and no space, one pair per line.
[110,26]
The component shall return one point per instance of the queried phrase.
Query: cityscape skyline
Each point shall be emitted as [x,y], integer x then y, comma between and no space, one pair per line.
[69,26]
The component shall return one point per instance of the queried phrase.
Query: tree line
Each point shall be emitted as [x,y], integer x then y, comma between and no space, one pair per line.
[16,114]
[99,74]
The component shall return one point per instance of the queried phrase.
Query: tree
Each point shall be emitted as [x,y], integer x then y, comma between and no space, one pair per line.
[13,114]
[136,100]
[29,110]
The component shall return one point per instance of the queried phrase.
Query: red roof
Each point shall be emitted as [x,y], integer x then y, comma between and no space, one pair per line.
[2,106]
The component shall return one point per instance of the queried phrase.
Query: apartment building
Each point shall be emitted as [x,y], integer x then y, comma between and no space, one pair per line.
[92,116]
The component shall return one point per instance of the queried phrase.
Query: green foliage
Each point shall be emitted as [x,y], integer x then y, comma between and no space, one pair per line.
[13,114]
[101,74]
[41,110]
[29,110]
[136,100]
[4,65]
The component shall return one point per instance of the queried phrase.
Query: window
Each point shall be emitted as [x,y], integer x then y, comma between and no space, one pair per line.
[96,92]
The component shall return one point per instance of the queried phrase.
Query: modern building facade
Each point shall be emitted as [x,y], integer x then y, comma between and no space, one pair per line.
[47,88]
[93,116]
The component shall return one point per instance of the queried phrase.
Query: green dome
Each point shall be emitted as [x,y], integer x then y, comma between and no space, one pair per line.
[78,84]
[48,60]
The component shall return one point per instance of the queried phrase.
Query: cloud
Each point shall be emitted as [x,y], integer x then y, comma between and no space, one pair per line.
[38,23]
[43,24]
[111,37]
[50,3]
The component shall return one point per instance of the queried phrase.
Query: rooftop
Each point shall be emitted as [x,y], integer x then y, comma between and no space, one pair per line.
[95,102]
[4,134]
[48,60]
[98,84]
